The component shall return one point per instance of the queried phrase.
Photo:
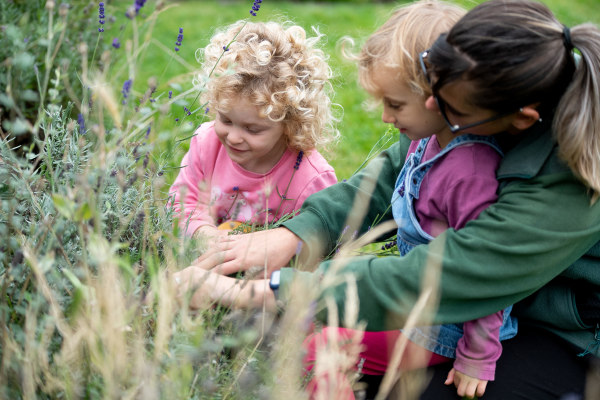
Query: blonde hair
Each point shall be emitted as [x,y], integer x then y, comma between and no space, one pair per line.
[577,118]
[397,44]
[278,69]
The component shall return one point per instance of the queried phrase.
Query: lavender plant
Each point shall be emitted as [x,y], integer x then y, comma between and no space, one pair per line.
[85,226]
[86,232]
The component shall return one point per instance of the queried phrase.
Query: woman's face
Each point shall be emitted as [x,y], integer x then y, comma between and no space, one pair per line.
[459,111]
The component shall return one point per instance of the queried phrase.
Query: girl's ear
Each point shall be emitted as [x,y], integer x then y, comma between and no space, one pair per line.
[526,117]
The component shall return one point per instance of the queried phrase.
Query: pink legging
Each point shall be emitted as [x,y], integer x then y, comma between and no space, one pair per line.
[374,356]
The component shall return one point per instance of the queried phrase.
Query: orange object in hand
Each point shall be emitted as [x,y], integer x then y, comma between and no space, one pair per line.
[229,225]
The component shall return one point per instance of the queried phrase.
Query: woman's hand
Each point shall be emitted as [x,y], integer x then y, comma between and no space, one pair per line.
[272,248]
[208,287]
[466,386]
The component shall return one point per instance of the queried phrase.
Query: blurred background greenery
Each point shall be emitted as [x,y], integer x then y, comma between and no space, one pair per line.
[360,126]
[157,62]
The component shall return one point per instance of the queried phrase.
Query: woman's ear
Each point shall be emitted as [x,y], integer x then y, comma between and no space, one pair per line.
[526,117]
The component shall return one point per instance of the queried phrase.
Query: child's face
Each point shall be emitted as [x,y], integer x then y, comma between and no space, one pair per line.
[254,142]
[404,108]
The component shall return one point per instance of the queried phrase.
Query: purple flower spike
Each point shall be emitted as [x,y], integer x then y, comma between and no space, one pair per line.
[135,9]
[170,94]
[138,5]
[126,88]
[299,247]
[101,16]
[298,160]
[81,123]
[179,39]
[255,7]
[115,43]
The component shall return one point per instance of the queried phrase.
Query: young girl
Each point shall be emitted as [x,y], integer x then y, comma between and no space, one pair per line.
[448,178]
[257,162]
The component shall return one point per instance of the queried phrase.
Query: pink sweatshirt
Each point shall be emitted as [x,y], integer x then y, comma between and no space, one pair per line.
[211,188]
[454,191]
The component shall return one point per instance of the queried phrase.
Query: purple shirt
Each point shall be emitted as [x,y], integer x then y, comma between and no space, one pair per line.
[454,191]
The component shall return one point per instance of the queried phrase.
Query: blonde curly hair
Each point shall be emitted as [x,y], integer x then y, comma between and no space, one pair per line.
[278,69]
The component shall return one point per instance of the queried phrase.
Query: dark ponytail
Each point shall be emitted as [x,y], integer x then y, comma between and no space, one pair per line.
[517,53]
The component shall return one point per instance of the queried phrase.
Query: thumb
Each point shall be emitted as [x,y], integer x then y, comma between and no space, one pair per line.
[450,378]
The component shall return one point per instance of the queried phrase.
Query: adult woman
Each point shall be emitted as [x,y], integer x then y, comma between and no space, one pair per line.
[506,68]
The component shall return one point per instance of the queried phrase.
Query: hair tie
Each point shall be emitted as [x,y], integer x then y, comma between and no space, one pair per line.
[567,38]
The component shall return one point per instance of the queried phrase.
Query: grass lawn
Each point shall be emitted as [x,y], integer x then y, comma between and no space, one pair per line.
[360,127]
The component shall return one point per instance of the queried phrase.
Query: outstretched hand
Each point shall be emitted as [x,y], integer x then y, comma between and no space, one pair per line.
[466,386]
[272,248]
[207,288]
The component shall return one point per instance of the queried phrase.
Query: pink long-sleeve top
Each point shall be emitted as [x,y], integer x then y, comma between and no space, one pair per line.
[211,188]
[454,191]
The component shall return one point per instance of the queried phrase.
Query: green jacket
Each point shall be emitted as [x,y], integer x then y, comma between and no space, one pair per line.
[535,246]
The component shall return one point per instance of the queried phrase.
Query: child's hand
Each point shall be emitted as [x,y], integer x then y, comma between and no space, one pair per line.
[210,232]
[466,386]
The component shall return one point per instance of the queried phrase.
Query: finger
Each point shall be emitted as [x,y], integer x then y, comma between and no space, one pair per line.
[199,300]
[189,278]
[481,388]
[183,280]
[461,389]
[450,378]
[228,267]
[470,391]
[212,260]
[216,247]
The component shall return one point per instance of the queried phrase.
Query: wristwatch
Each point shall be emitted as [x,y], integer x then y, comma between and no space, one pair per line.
[274,282]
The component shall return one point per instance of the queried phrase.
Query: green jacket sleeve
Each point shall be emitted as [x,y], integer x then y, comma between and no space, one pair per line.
[540,227]
[531,235]
[350,208]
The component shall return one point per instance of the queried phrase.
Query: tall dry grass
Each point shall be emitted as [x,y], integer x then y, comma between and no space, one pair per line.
[86,234]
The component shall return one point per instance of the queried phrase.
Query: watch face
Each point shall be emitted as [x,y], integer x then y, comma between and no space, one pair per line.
[275,279]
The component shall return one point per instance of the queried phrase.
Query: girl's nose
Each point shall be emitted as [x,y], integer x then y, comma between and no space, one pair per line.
[234,135]
[387,117]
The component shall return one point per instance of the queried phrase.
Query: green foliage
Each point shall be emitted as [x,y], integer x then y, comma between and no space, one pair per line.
[87,229]
[41,45]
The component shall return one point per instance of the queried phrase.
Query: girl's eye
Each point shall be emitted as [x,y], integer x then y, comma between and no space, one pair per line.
[253,129]
[224,119]
[393,105]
